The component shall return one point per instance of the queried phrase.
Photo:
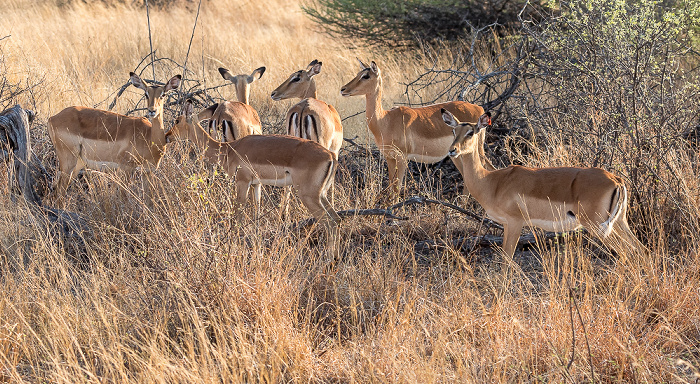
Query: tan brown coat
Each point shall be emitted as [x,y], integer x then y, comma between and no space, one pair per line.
[406,133]
[554,199]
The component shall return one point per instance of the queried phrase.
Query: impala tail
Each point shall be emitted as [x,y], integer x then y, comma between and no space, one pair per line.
[330,175]
[617,204]
[208,112]
[309,126]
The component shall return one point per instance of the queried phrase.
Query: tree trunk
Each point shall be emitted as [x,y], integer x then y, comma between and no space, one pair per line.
[14,135]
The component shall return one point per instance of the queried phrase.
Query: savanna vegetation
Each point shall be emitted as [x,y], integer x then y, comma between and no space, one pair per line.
[159,283]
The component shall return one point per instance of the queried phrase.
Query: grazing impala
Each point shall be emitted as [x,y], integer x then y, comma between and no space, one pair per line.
[405,133]
[310,118]
[554,199]
[270,160]
[236,118]
[93,138]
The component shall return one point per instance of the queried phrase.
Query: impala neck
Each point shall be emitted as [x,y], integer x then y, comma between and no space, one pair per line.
[475,174]
[157,130]
[374,110]
[310,90]
[243,92]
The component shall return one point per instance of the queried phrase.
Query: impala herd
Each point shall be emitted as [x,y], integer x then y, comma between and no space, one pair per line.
[554,199]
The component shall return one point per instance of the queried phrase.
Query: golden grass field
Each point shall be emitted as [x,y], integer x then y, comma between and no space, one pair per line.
[166,287]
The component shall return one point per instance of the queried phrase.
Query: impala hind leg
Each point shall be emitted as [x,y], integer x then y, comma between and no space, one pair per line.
[68,169]
[315,204]
[622,240]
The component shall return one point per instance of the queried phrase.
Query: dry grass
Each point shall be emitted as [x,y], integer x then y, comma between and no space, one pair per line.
[167,288]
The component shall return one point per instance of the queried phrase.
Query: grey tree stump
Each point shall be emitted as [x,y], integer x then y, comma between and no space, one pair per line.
[16,152]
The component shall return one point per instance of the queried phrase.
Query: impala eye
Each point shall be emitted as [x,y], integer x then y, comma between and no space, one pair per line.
[365,76]
[294,80]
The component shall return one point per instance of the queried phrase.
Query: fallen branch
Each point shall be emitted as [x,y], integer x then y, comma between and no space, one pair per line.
[355,212]
[414,200]
[362,147]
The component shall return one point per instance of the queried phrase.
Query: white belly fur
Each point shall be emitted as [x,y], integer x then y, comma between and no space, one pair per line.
[276,182]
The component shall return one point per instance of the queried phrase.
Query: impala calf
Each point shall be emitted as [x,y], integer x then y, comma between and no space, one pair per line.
[554,199]
[235,118]
[406,133]
[311,118]
[97,139]
[257,160]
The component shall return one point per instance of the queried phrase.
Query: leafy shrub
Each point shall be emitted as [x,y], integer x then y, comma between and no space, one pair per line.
[613,84]
[397,23]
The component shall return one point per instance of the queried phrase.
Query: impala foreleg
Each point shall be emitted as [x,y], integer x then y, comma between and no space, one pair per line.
[396,171]
[242,188]
[511,236]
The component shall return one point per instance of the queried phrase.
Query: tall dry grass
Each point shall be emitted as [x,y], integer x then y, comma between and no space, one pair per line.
[166,287]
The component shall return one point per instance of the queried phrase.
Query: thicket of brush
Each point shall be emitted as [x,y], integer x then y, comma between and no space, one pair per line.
[166,287]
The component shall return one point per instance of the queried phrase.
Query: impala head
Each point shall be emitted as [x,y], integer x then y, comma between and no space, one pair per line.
[367,81]
[155,93]
[298,83]
[184,124]
[464,133]
[242,82]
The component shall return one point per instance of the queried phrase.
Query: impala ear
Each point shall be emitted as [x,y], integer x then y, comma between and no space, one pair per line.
[485,119]
[173,83]
[374,68]
[449,118]
[227,75]
[314,69]
[363,66]
[311,64]
[137,82]
[188,108]
[258,72]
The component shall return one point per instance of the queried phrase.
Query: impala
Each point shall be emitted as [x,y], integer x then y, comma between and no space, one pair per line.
[236,118]
[406,133]
[276,160]
[554,199]
[310,118]
[93,138]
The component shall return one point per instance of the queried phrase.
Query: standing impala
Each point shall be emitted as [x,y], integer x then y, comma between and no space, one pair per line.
[405,133]
[554,199]
[236,118]
[270,160]
[93,138]
[310,118]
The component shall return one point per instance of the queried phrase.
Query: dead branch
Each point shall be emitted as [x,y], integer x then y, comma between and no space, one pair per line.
[362,147]
[354,212]
[423,200]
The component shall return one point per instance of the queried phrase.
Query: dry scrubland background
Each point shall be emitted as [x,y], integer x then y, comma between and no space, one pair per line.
[169,289]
